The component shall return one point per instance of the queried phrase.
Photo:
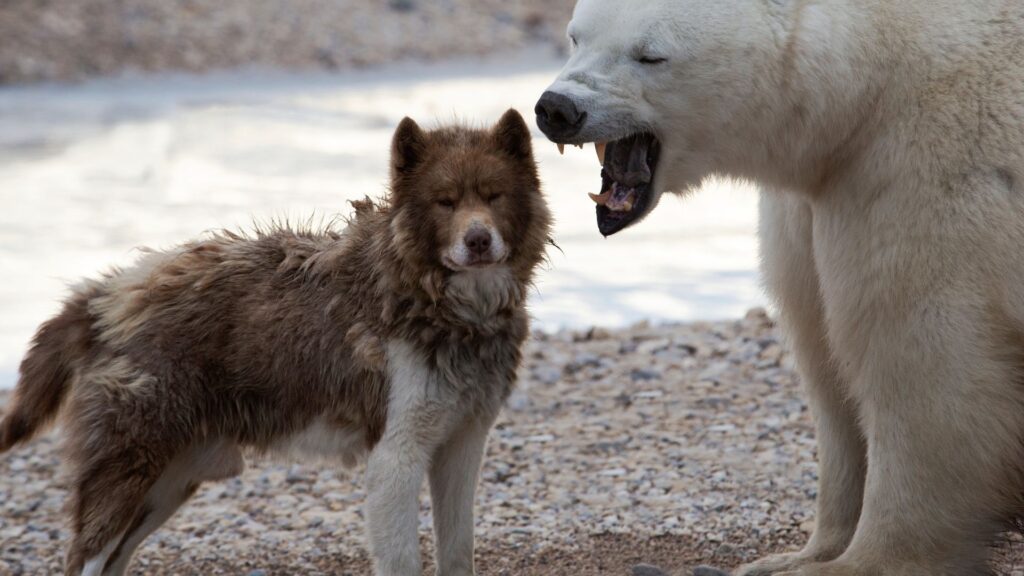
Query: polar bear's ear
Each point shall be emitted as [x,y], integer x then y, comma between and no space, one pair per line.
[407,147]
[512,135]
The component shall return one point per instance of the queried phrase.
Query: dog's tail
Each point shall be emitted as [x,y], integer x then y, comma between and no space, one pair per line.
[47,370]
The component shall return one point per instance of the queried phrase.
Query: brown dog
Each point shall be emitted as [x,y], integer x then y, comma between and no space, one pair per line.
[398,337]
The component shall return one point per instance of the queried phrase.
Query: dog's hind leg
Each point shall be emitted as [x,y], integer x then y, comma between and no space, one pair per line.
[108,495]
[94,566]
[178,482]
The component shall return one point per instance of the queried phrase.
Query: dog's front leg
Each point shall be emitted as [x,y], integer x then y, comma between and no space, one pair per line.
[453,479]
[394,476]
[396,467]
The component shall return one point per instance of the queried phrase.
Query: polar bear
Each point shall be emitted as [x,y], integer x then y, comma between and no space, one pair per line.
[888,139]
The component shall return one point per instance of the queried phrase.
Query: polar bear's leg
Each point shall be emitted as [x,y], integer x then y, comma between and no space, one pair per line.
[944,429]
[792,279]
[917,317]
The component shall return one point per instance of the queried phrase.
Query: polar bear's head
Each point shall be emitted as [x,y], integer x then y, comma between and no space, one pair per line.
[664,89]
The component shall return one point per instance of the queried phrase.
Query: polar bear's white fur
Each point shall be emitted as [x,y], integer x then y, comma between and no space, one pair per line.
[888,139]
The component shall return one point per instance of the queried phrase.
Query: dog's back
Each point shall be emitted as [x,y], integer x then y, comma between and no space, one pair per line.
[233,332]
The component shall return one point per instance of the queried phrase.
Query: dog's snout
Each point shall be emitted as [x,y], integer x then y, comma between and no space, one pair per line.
[478,241]
[557,116]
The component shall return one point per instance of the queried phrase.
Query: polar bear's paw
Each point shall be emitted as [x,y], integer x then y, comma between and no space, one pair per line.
[770,565]
[775,565]
[833,569]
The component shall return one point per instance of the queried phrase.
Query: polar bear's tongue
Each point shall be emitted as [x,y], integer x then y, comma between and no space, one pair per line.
[618,198]
[626,160]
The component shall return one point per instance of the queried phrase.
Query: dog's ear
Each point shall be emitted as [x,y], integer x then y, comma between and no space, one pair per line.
[512,135]
[407,147]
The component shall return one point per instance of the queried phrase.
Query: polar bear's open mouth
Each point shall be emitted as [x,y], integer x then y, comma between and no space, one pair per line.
[627,173]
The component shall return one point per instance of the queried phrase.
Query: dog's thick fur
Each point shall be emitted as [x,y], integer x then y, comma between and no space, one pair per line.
[388,337]
[888,138]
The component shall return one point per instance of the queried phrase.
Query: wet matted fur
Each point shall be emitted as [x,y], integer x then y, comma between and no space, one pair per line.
[398,336]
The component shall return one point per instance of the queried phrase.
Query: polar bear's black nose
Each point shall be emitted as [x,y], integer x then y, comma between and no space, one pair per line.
[557,116]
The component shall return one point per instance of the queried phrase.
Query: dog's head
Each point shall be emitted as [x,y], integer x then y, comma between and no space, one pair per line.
[465,199]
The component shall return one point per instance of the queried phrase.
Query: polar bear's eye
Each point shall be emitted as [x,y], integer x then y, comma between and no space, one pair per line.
[573,40]
[651,60]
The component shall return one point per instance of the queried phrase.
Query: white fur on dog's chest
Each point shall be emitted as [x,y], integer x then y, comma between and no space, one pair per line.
[416,385]
[435,400]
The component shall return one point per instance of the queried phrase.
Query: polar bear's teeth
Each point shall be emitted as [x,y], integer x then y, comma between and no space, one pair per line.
[600,199]
[599,147]
[561,149]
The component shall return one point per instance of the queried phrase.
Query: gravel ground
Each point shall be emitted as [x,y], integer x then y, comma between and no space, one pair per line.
[673,445]
[73,39]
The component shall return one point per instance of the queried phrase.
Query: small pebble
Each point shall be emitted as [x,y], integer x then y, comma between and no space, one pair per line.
[644,374]
[648,570]
[402,5]
[708,571]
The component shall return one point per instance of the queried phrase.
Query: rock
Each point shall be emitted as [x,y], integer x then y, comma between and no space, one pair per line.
[715,371]
[708,571]
[584,360]
[648,570]
[644,374]
[402,5]
[594,333]
[650,347]
[547,374]
[519,401]
[650,394]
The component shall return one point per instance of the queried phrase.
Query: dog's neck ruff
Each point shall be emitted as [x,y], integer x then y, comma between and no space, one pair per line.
[483,298]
